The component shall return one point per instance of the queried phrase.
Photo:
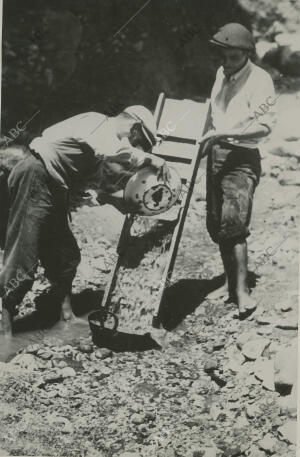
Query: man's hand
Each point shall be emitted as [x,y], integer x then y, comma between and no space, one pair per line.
[163,172]
[209,139]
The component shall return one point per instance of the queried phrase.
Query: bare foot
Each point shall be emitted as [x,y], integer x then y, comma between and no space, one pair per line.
[247,305]
[66,309]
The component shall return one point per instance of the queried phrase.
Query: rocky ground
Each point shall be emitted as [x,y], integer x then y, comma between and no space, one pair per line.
[219,387]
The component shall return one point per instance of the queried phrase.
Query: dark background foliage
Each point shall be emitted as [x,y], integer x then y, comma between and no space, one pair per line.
[69,56]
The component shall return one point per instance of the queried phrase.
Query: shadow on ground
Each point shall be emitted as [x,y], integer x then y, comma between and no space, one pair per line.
[183,297]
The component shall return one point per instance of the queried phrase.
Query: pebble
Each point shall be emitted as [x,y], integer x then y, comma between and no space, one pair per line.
[25,361]
[288,432]
[67,372]
[86,348]
[44,354]
[268,444]
[285,308]
[104,373]
[253,411]
[103,353]
[210,365]
[33,348]
[137,418]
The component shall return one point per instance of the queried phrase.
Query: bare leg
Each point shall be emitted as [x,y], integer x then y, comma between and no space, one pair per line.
[228,288]
[66,309]
[240,257]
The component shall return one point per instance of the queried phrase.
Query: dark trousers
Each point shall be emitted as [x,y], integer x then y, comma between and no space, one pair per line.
[233,173]
[37,229]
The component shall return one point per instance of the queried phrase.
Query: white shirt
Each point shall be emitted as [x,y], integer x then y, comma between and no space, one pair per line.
[246,97]
[74,148]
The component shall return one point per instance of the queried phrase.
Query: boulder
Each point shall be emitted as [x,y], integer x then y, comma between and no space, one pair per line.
[288,403]
[268,444]
[25,361]
[285,365]
[264,371]
[254,349]
[288,432]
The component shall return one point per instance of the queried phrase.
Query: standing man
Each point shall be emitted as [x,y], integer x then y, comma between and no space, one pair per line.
[241,114]
[89,148]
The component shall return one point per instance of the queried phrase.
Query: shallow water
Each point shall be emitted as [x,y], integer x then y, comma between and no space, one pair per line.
[65,331]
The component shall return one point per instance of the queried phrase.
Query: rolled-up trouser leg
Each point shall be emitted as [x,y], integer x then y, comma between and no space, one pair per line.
[232,175]
[31,204]
[59,252]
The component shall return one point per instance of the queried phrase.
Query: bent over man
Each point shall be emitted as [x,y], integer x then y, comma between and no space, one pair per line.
[242,113]
[88,148]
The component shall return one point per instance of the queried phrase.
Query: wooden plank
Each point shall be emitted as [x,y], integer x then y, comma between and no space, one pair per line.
[179,151]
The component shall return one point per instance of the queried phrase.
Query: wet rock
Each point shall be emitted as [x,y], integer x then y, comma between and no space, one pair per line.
[54,376]
[86,348]
[44,354]
[210,365]
[264,371]
[254,349]
[60,363]
[137,418]
[255,452]
[67,372]
[288,403]
[33,348]
[268,444]
[288,432]
[253,410]
[103,353]
[285,364]
[25,361]
[286,307]
[104,373]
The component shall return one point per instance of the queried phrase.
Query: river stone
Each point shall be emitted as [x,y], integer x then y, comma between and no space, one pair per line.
[285,364]
[103,353]
[67,372]
[25,361]
[288,432]
[86,348]
[264,371]
[254,349]
[288,403]
[268,444]
[138,418]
